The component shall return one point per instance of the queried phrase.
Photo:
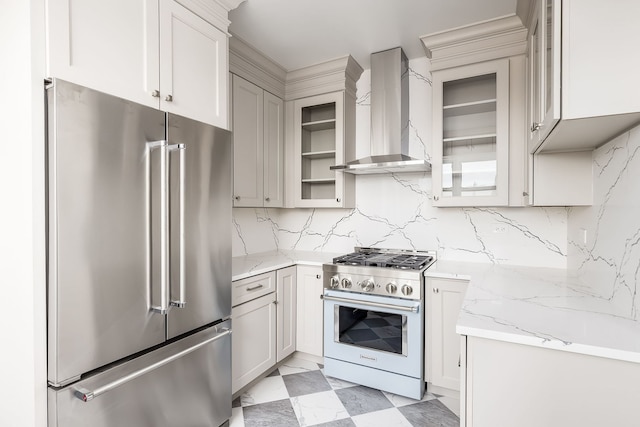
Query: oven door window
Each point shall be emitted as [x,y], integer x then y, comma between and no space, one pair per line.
[371,329]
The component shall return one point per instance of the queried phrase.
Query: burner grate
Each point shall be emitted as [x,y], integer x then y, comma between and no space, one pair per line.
[387,260]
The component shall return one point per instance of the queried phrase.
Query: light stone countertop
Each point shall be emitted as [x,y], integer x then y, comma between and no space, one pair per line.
[541,307]
[263,262]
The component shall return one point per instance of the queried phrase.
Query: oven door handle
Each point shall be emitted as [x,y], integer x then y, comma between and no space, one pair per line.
[372,304]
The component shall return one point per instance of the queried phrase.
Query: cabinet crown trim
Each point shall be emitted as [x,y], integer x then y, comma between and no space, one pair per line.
[250,64]
[216,12]
[330,76]
[487,40]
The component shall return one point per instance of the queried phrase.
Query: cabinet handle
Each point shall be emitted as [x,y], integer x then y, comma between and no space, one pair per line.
[535,127]
[276,303]
[436,290]
[459,356]
[168,98]
[253,288]
[436,198]
[338,199]
[525,194]
[237,197]
[267,199]
[155,93]
[318,276]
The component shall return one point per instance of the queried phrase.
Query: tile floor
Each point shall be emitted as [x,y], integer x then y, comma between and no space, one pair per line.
[298,394]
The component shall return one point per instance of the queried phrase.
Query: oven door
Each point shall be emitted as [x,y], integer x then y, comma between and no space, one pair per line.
[380,332]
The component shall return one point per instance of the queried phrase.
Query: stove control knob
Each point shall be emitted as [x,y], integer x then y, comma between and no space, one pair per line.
[335,281]
[367,285]
[392,288]
[407,290]
[346,283]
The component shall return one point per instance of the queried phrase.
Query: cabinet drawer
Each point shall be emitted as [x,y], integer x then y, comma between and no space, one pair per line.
[252,287]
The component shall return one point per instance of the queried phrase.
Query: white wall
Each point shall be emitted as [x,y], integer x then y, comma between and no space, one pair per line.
[22,318]
[609,259]
[395,211]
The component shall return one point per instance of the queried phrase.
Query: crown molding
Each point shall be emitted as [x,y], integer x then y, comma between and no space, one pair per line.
[493,39]
[216,12]
[252,65]
[330,76]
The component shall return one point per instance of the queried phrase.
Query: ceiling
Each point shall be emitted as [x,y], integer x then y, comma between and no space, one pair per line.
[298,33]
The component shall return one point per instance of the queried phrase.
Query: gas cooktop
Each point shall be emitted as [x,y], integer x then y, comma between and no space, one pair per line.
[387,258]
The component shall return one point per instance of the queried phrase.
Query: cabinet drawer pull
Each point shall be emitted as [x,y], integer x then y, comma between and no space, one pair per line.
[253,288]
[318,276]
[436,290]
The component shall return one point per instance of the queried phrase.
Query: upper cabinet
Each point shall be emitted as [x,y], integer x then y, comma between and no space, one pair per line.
[583,76]
[478,113]
[321,108]
[171,55]
[258,152]
[471,135]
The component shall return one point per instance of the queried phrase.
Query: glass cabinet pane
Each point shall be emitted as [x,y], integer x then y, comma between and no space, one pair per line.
[548,52]
[469,156]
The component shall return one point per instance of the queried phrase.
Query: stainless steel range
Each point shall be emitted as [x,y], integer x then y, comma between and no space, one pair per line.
[374,319]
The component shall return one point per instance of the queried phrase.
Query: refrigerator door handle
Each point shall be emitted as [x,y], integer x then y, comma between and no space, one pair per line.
[158,226]
[88,395]
[179,263]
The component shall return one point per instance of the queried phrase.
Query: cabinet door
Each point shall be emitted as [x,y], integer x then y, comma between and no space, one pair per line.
[319,144]
[544,71]
[193,66]
[253,343]
[443,348]
[273,151]
[286,312]
[471,135]
[110,46]
[248,113]
[310,313]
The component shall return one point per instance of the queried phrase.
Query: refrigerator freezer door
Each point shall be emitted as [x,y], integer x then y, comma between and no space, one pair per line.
[99,292]
[206,221]
[186,383]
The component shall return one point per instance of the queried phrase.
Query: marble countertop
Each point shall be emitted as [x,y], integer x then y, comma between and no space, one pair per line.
[542,307]
[263,262]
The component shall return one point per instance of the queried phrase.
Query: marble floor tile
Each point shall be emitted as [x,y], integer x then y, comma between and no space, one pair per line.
[267,390]
[279,413]
[274,373]
[337,383]
[399,401]
[452,403]
[305,383]
[317,408]
[430,414]
[345,422]
[297,365]
[359,400]
[385,418]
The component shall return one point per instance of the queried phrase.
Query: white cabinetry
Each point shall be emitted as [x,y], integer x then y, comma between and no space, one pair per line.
[258,126]
[442,352]
[263,323]
[583,88]
[479,147]
[471,135]
[320,143]
[154,52]
[286,312]
[320,109]
[309,337]
[509,384]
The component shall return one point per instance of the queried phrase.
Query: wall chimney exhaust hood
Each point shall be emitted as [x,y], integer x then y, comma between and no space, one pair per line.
[389,119]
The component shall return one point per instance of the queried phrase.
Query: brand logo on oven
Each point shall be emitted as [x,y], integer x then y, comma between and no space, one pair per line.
[373,359]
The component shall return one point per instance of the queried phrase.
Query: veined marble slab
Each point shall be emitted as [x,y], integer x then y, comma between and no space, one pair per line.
[263,262]
[542,307]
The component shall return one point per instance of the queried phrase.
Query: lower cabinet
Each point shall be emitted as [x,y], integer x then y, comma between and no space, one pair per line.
[263,323]
[508,384]
[310,310]
[442,353]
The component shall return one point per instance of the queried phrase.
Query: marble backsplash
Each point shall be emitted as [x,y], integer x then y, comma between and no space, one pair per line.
[395,210]
[604,239]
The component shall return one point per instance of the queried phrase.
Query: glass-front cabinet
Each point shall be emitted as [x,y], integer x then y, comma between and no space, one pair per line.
[471,135]
[544,71]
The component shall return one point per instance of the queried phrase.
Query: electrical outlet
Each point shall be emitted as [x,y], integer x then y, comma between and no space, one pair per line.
[499,228]
[583,235]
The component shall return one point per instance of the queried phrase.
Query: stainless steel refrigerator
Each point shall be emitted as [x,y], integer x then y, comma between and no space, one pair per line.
[139,264]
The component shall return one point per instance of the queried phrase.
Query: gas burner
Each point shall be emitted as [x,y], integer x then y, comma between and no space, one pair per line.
[385,258]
